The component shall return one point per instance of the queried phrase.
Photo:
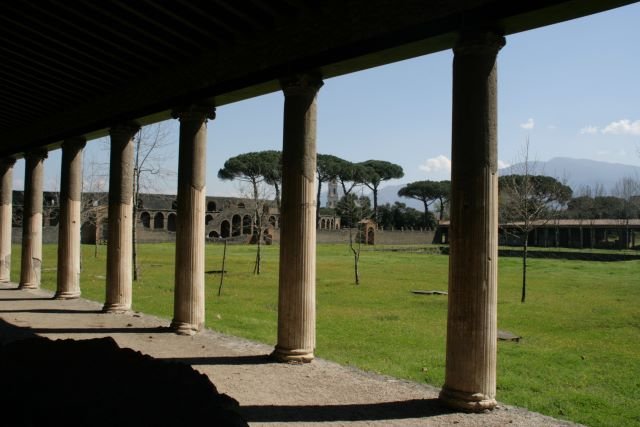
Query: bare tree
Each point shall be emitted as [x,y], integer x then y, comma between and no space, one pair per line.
[149,172]
[260,194]
[528,201]
[94,198]
[353,210]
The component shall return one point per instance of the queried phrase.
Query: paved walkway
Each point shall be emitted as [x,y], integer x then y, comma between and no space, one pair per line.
[269,393]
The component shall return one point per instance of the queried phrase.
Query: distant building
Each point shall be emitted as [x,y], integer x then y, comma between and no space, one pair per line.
[332,195]
[566,233]
[225,217]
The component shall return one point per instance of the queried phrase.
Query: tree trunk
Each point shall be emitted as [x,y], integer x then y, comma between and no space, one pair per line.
[344,188]
[224,260]
[356,270]
[356,256]
[258,220]
[258,264]
[97,238]
[277,187]
[426,214]
[525,248]
[375,204]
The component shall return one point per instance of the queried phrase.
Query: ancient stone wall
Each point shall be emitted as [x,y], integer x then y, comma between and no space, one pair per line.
[382,237]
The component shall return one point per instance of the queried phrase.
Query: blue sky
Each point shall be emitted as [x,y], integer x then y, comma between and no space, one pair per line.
[573,88]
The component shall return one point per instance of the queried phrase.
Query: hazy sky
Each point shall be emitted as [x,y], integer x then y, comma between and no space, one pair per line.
[573,88]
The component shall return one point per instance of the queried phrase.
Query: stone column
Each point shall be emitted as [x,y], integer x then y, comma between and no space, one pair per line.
[6,218]
[297,283]
[188,309]
[68,285]
[470,376]
[120,221]
[581,237]
[31,263]
[546,237]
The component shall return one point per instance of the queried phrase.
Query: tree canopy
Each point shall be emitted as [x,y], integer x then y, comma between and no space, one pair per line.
[254,168]
[328,167]
[526,198]
[377,171]
[428,192]
[349,175]
[399,215]
[602,207]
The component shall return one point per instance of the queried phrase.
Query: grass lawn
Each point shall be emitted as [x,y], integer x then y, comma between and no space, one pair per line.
[579,358]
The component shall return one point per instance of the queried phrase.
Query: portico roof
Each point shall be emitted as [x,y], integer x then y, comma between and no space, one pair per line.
[78,67]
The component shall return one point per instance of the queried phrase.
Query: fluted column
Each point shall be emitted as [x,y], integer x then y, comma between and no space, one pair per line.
[188,317]
[31,262]
[297,283]
[6,219]
[68,284]
[470,376]
[120,221]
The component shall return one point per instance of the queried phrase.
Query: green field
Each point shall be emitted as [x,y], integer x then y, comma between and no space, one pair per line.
[579,358]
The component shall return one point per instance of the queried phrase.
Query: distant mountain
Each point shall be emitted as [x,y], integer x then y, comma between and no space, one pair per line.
[579,172]
[390,195]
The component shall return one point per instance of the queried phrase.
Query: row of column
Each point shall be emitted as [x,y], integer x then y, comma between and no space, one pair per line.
[472,312]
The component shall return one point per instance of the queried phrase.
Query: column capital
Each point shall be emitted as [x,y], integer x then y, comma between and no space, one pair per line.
[479,43]
[7,162]
[301,84]
[200,112]
[77,142]
[124,129]
[37,154]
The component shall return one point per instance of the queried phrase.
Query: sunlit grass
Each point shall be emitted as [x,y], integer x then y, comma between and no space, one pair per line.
[579,358]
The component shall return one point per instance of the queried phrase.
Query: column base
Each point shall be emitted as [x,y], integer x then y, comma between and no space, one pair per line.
[296,356]
[184,328]
[66,295]
[465,401]
[28,286]
[115,308]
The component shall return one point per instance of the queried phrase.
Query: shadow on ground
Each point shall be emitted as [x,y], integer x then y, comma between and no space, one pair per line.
[418,408]
[223,360]
[107,330]
[95,382]
[50,310]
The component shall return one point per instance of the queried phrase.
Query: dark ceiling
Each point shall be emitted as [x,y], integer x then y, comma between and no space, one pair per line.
[76,67]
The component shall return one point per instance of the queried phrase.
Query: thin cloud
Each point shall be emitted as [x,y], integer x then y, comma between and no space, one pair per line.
[437,164]
[623,127]
[502,164]
[589,130]
[528,125]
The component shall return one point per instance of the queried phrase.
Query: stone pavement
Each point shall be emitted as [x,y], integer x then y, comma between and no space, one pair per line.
[269,393]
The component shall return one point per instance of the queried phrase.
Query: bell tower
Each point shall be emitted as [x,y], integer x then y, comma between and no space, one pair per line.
[332,195]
